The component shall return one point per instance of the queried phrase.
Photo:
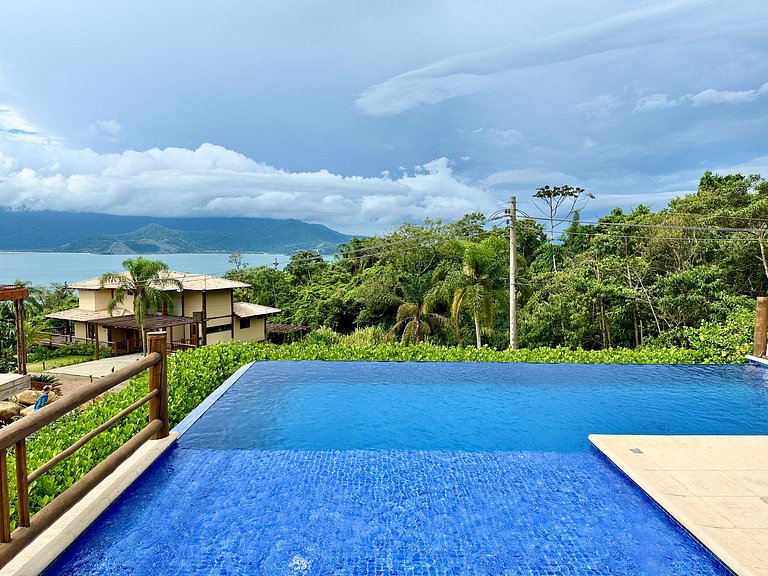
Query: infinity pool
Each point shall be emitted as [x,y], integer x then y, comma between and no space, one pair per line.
[408,468]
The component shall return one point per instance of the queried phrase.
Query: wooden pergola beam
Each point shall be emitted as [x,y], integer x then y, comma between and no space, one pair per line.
[17,294]
[13,292]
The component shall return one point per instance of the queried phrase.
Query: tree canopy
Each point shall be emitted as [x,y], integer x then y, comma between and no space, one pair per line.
[628,279]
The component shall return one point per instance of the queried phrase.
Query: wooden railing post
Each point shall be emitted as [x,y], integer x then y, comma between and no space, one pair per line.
[22,482]
[158,380]
[761,327]
[5,499]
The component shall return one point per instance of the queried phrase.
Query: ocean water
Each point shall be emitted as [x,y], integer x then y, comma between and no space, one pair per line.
[355,468]
[45,268]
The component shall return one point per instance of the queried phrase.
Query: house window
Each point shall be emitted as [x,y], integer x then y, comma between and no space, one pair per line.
[222,328]
[245,323]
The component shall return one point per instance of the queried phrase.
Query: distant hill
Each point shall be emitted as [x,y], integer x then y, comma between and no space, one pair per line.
[105,234]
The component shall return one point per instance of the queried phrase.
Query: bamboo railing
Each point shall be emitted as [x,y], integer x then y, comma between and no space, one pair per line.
[15,434]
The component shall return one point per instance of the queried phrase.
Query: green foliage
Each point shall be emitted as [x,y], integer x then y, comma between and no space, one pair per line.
[633,279]
[730,340]
[77,349]
[323,336]
[305,264]
[268,286]
[368,336]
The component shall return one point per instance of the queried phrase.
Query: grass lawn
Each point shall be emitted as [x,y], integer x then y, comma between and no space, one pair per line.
[56,363]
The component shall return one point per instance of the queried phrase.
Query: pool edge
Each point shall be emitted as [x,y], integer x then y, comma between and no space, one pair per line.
[201,408]
[616,448]
[43,550]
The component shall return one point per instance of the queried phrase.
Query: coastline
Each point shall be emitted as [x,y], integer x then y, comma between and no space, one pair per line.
[47,268]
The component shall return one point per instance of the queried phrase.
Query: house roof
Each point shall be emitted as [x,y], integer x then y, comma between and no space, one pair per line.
[80,315]
[189,280]
[286,329]
[247,310]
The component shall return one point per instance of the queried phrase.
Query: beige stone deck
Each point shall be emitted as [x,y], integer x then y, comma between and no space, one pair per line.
[715,486]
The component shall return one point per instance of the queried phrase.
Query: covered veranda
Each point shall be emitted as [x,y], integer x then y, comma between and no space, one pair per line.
[126,335]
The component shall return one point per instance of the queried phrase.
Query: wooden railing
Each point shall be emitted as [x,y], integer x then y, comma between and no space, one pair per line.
[15,434]
[184,344]
[54,338]
[125,346]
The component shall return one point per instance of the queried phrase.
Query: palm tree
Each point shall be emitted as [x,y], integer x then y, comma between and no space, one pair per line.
[479,286]
[415,314]
[145,281]
[417,321]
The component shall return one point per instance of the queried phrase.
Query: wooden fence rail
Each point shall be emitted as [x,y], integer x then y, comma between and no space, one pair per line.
[15,435]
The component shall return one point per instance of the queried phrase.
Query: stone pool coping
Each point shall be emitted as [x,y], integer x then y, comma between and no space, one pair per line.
[42,551]
[716,487]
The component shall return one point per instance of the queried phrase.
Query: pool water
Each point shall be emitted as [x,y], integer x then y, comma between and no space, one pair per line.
[410,469]
[477,406]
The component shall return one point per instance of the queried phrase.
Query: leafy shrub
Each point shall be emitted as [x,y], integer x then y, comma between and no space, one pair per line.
[41,353]
[323,336]
[368,336]
[730,340]
[43,378]
[77,349]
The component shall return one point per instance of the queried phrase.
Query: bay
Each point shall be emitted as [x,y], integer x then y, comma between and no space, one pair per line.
[45,268]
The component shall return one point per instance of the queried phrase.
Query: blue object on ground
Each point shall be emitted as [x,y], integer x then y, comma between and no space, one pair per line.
[41,401]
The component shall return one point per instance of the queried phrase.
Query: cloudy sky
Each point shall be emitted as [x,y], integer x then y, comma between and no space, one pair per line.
[362,115]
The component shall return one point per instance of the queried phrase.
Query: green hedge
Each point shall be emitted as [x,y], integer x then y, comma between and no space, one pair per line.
[194,374]
[78,349]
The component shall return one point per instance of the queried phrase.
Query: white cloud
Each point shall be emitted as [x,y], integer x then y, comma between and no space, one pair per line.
[656,102]
[14,126]
[213,180]
[110,130]
[599,107]
[708,97]
[476,72]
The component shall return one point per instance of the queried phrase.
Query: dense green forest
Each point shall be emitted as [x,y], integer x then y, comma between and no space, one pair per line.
[686,275]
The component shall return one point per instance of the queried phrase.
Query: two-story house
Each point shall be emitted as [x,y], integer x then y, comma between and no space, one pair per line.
[204,312]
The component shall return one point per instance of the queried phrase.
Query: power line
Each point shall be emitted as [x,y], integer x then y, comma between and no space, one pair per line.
[658,226]
[684,238]
[726,216]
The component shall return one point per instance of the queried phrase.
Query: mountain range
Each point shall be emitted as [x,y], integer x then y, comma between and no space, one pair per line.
[47,231]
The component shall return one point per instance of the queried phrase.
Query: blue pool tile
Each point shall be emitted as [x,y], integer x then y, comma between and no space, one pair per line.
[389,512]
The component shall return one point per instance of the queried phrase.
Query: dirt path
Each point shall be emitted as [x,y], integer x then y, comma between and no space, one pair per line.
[69,383]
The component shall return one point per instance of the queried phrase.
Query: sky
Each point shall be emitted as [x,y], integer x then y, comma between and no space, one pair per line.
[365,115]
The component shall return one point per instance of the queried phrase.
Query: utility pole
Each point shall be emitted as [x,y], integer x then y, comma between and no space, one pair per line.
[513,273]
